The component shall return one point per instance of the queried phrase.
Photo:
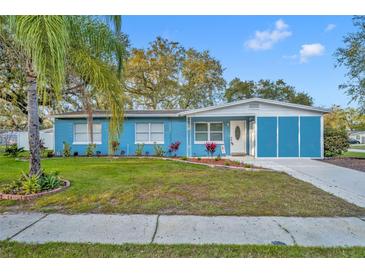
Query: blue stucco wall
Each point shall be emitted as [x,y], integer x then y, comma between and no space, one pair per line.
[64,129]
[288,137]
[310,136]
[174,130]
[199,149]
[266,136]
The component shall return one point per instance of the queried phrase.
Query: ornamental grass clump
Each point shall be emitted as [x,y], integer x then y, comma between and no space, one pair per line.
[158,150]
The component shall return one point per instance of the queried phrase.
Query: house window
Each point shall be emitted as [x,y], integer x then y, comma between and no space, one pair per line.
[208,132]
[81,134]
[149,133]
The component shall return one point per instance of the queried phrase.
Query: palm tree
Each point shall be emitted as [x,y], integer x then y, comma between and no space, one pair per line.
[45,45]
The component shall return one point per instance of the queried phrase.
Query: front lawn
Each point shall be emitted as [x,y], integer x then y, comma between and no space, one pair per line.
[73,250]
[354,154]
[137,185]
[358,146]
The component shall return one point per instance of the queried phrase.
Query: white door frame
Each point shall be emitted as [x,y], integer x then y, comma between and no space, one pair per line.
[241,144]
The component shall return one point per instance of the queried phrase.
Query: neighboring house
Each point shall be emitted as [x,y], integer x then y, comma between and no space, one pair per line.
[257,127]
[358,135]
[46,136]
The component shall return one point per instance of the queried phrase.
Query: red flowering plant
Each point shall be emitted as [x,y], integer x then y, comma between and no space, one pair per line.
[174,147]
[210,148]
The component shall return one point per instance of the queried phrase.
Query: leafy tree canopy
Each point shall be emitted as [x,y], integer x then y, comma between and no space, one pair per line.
[166,75]
[266,89]
[344,119]
[352,57]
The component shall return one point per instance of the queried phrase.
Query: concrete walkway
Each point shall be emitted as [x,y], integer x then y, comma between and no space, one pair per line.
[145,229]
[345,183]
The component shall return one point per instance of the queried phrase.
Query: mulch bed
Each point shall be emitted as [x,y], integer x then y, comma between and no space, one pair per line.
[353,163]
[28,197]
[221,162]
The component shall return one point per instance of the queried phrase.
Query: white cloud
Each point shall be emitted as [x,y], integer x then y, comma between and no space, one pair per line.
[330,27]
[310,50]
[264,40]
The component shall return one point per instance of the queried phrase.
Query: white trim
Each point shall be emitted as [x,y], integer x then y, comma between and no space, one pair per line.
[273,102]
[299,152]
[256,137]
[277,136]
[65,116]
[322,137]
[190,138]
[86,143]
[149,142]
[208,132]
[187,136]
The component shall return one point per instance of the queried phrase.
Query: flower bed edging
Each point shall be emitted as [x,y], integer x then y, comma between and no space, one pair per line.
[218,166]
[28,197]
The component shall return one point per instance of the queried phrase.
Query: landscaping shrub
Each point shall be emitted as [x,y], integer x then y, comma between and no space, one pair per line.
[210,148]
[335,142]
[158,149]
[199,158]
[76,154]
[174,147]
[90,150]
[114,146]
[66,149]
[218,158]
[33,184]
[48,181]
[50,154]
[184,158]
[13,150]
[139,149]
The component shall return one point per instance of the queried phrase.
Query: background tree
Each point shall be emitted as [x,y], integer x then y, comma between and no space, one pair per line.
[352,57]
[201,80]
[266,89]
[151,75]
[166,75]
[348,119]
[42,45]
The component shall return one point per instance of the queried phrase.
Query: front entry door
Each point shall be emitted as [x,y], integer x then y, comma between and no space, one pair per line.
[238,138]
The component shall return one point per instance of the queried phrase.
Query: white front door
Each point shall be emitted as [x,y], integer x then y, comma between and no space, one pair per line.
[238,138]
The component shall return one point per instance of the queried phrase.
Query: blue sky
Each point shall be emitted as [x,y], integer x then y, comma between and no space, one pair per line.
[298,49]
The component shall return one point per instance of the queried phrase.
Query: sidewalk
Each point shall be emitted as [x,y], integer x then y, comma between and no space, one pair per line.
[164,229]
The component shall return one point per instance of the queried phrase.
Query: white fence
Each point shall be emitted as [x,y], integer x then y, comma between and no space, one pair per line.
[46,136]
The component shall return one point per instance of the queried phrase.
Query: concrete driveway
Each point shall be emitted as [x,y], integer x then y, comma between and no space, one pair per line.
[343,182]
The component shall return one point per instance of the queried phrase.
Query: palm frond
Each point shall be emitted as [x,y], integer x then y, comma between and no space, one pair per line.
[103,79]
[45,40]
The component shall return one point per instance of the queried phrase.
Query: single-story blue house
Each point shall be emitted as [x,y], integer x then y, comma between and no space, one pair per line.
[257,127]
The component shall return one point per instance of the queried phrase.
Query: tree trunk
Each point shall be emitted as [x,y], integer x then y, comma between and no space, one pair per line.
[33,128]
[90,123]
[89,110]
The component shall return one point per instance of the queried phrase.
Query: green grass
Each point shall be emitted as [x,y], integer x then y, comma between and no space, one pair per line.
[358,147]
[354,154]
[56,250]
[150,186]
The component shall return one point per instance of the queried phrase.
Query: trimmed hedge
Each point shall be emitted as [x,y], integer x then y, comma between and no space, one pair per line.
[335,142]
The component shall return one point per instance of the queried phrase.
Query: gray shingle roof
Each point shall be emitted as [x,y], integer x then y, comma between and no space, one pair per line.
[102,113]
